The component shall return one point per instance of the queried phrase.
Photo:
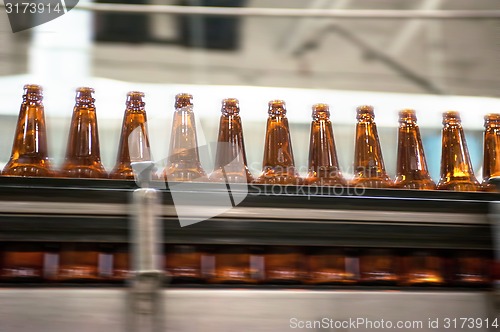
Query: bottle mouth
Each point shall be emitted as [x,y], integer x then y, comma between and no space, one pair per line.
[365,111]
[230,106]
[451,117]
[491,118]
[277,107]
[407,115]
[183,100]
[320,111]
[85,89]
[134,99]
[33,88]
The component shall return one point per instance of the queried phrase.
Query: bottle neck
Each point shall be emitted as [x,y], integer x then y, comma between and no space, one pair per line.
[278,149]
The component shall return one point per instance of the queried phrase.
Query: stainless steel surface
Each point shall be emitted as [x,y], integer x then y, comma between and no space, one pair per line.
[62,310]
[110,209]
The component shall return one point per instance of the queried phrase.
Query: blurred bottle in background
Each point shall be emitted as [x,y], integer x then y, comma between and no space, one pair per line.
[22,262]
[412,172]
[424,268]
[29,151]
[456,168]
[183,163]
[369,168]
[230,159]
[134,139]
[79,262]
[183,263]
[232,265]
[284,265]
[121,263]
[278,165]
[83,157]
[379,266]
[329,266]
[472,269]
[324,167]
[491,162]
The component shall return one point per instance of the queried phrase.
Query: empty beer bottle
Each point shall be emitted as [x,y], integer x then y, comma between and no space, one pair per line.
[232,265]
[424,268]
[491,164]
[456,168]
[378,267]
[22,262]
[412,170]
[472,269]
[230,158]
[328,266]
[183,263]
[29,151]
[134,139]
[284,265]
[278,165]
[121,263]
[79,262]
[183,163]
[83,157]
[323,162]
[369,169]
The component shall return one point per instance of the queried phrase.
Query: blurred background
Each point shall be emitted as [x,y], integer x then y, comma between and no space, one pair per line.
[430,65]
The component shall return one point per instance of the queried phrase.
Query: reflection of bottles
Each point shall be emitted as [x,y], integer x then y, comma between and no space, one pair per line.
[134,140]
[378,266]
[183,162]
[278,166]
[183,263]
[412,170]
[230,159]
[78,262]
[368,162]
[491,164]
[456,167]
[323,162]
[328,266]
[471,269]
[83,157]
[232,265]
[284,265]
[424,268]
[22,262]
[29,151]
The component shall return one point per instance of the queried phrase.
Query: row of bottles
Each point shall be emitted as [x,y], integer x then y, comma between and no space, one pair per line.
[249,265]
[82,160]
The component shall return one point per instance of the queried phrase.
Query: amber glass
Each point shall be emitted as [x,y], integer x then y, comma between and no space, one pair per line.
[183,263]
[412,172]
[369,169]
[284,265]
[323,162]
[424,268]
[134,139]
[183,162]
[472,269]
[328,266]
[278,165]
[232,265]
[21,262]
[121,263]
[456,168]
[491,164]
[79,262]
[29,151]
[83,157]
[379,266]
[230,158]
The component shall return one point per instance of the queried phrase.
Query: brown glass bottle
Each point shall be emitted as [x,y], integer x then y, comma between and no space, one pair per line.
[83,157]
[412,170]
[284,265]
[491,164]
[79,262]
[29,151]
[424,268]
[232,265]
[328,266]
[121,263]
[369,168]
[21,262]
[183,263]
[379,266]
[134,139]
[324,167]
[183,163]
[472,269]
[456,168]
[230,158]
[278,165]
